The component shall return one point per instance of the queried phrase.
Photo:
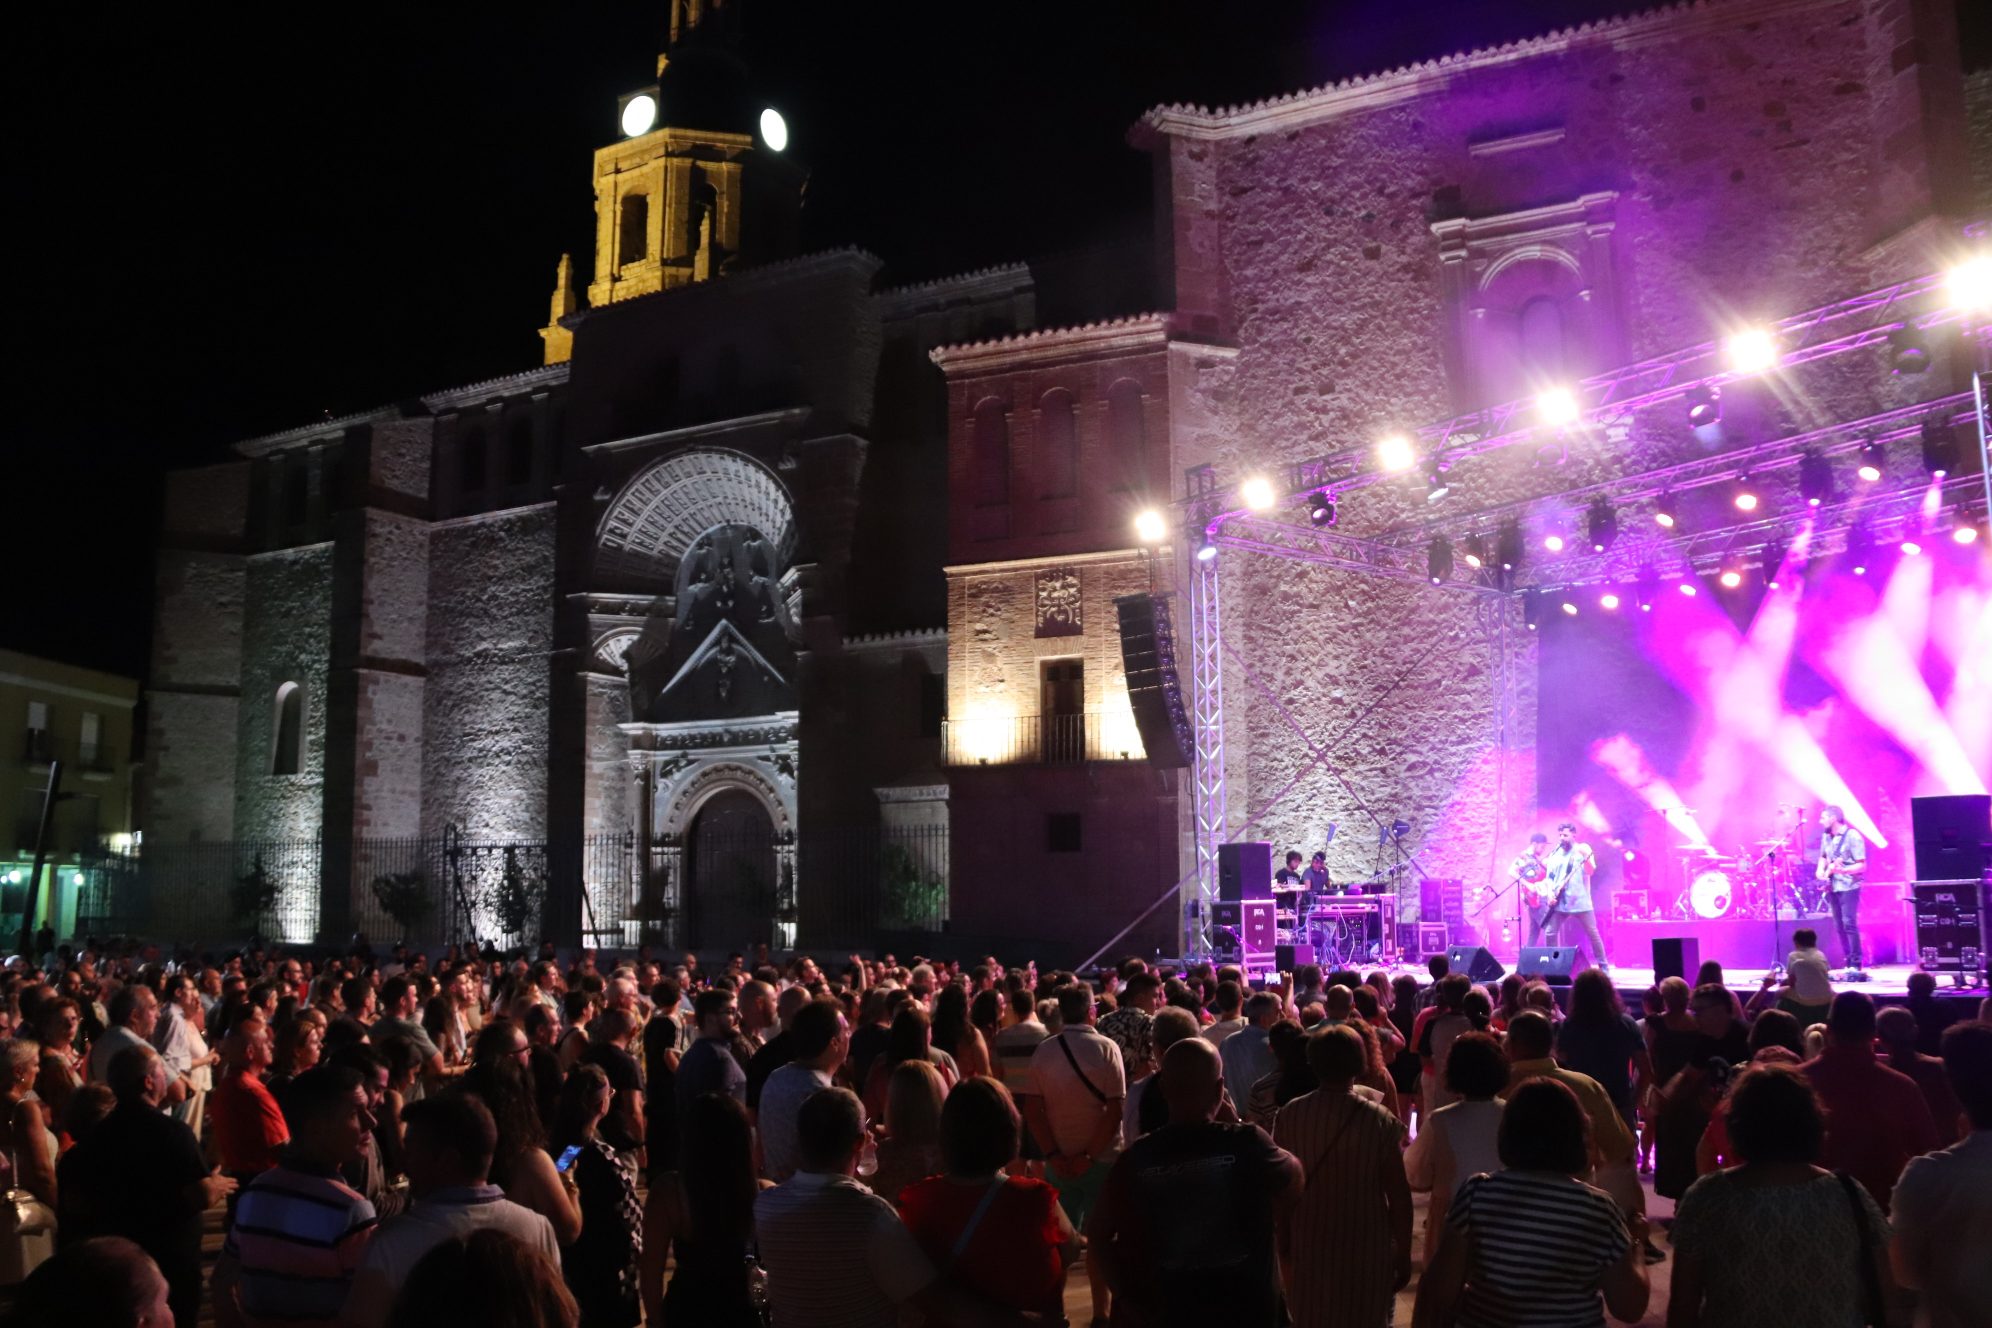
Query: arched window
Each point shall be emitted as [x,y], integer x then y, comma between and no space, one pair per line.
[287,749]
[519,449]
[1127,445]
[989,455]
[471,448]
[633,229]
[1058,445]
[1540,340]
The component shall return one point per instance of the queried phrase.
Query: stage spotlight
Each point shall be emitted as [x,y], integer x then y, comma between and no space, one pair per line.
[1558,407]
[1439,559]
[1686,585]
[1608,599]
[1396,453]
[1908,350]
[1774,556]
[1321,508]
[1208,549]
[1872,455]
[1601,523]
[1744,495]
[1437,485]
[1752,351]
[1666,513]
[1969,284]
[1569,608]
[1149,526]
[1552,538]
[1646,589]
[1815,478]
[1963,529]
[1911,545]
[1473,551]
[1508,545]
[1939,447]
[1704,408]
[1860,549]
[1257,491]
[1730,575]
[1532,609]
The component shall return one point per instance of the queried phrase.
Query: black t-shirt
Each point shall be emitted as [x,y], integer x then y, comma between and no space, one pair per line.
[1195,1206]
[867,1044]
[129,1178]
[773,1055]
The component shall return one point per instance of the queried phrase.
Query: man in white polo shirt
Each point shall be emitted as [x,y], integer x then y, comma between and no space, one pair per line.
[1082,1086]
[818,1039]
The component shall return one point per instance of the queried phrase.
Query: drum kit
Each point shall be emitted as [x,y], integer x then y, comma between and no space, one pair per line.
[1763,879]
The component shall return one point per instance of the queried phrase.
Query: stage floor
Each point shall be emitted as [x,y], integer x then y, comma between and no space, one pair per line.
[1886,982]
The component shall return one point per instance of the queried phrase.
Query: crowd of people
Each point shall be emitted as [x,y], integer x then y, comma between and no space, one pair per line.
[517,1140]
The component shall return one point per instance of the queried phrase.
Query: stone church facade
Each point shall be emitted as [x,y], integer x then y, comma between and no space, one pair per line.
[695,575]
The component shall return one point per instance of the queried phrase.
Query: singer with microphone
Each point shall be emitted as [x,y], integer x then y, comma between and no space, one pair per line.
[1568,890]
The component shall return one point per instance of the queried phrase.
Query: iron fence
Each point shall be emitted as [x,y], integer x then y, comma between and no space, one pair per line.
[1041,739]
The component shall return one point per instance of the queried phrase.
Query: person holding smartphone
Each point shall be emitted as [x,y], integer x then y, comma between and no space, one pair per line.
[601,1265]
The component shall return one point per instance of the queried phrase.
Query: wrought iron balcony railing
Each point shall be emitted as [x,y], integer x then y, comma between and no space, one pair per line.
[1041,739]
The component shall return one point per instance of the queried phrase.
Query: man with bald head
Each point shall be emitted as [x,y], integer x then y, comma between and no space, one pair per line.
[1184,1229]
[778,1050]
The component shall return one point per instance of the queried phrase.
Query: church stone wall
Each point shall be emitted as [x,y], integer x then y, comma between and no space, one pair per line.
[287,637]
[489,638]
[193,703]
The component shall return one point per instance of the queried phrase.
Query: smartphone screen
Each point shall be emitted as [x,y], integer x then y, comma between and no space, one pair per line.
[567,1157]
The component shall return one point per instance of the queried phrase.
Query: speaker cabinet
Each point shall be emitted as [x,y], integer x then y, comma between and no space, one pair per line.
[1554,964]
[1676,957]
[1291,958]
[1951,833]
[1148,652]
[1259,927]
[1476,961]
[1244,870]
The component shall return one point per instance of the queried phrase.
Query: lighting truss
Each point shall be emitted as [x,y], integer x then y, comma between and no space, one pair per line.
[1844,326]
[1322,548]
[1207,723]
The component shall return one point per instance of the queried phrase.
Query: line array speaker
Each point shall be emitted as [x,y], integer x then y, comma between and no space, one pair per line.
[1244,870]
[1148,653]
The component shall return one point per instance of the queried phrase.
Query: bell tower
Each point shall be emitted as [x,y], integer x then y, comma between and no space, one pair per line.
[697,184]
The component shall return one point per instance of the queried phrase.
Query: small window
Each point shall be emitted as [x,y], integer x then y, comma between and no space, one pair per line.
[989,455]
[37,716]
[1061,832]
[287,752]
[40,745]
[1125,443]
[475,464]
[633,229]
[1541,335]
[1058,446]
[90,748]
[519,451]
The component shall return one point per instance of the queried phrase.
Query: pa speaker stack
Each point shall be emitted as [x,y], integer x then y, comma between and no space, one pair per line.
[1244,871]
[1951,834]
[1148,653]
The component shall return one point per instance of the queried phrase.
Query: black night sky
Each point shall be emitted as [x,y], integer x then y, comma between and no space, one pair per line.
[229,222]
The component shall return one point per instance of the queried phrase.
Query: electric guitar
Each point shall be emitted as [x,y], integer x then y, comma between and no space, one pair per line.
[1540,889]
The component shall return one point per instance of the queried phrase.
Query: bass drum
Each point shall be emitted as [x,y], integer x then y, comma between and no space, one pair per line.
[1711,894]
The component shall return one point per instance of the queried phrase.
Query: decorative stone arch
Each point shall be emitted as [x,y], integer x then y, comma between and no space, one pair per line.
[679,802]
[610,653]
[668,504]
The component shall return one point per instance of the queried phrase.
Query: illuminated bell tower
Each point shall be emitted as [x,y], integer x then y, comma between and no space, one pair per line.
[697,184]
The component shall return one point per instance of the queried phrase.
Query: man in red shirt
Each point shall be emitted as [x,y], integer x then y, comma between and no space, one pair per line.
[1876,1118]
[249,1127]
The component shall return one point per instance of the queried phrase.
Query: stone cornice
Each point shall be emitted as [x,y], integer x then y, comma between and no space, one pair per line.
[851,259]
[918,636]
[431,403]
[1368,91]
[708,430]
[946,292]
[1116,336]
[1035,564]
[471,394]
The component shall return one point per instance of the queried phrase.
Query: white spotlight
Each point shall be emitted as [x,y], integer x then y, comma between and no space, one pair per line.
[639,115]
[774,130]
[1396,453]
[1969,285]
[1149,527]
[1558,407]
[1257,491]
[1752,351]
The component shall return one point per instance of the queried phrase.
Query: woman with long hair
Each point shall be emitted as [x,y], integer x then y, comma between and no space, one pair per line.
[910,1149]
[703,1214]
[61,1070]
[1777,1239]
[1273,1090]
[1459,1140]
[986,1012]
[908,1040]
[956,1034]
[601,1265]
[520,1165]
[1600,1039]
[299,1045]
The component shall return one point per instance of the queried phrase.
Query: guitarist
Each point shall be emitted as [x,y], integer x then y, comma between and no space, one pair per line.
[1568,891]
[1533,874]
[1842,864]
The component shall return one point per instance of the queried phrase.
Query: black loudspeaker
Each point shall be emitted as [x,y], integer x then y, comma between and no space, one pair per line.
[1148,653]
[1291,958]
[1676,957]
[1227,913]
[1554,964]
[1476,961]
[1244,871]
[1951,833]
[1260,928]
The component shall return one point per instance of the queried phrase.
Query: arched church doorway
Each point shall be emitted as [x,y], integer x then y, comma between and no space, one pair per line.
[730,874]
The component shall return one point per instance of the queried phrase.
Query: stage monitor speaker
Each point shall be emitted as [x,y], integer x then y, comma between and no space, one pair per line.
[1244,870]
[1554,964]
[1291,958]
[1951,833]
[1260,928]
[1227,913]
[1676,957]
[1476,961]
[1148,654]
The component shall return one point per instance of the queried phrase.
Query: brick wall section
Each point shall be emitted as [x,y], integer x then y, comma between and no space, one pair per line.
[490,631]
[287,628]
[393,635]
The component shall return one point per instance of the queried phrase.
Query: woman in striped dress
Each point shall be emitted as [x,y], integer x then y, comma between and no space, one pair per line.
[1345,1246]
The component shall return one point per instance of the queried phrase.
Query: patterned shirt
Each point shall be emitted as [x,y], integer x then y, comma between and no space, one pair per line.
[1566,873]
[1843,845]
[299,1236]
[1540,1247]
[1776,1253]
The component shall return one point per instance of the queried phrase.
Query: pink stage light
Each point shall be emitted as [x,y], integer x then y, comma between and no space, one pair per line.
[1626,761]
[1880,677]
